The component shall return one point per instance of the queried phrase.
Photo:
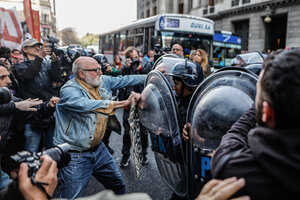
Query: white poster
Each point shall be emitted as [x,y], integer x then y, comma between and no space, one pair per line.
[11,32]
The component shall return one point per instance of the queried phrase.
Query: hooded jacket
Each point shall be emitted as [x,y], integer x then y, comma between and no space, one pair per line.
[268,159]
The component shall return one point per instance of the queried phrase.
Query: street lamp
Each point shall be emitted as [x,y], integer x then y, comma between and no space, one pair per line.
[268,18]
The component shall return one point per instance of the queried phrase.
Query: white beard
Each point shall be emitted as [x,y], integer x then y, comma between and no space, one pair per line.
[93,82]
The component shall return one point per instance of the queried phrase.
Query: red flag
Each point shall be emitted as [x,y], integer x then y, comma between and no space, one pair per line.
[10,28]
[28,16]
[36,24]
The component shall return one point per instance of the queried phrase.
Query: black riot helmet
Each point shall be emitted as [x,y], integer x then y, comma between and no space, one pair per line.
[190,73]
[101,59]
[73,54]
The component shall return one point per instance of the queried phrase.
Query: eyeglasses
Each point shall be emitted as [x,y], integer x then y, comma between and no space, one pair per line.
[93,70]
[176,49]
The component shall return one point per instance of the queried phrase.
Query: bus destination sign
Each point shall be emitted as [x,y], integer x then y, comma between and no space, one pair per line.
[186,25]
[172,23]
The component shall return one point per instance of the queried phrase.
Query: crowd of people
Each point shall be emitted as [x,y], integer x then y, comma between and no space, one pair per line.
[45,111]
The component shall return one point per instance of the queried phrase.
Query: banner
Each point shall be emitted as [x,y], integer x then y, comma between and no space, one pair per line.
[11,33]
[36,25]
[28,16]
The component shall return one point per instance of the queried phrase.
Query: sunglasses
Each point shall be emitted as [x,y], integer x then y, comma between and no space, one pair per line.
[93,70]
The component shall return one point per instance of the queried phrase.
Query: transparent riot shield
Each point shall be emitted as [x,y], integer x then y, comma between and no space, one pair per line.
[218,102]
[157,110]
[165,65]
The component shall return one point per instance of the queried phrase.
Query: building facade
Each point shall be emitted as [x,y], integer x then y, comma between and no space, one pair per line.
[46,10]
[262,24]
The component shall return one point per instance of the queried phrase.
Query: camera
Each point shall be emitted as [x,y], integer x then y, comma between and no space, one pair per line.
[58,153]
[5,95]
[160,51]
[102,60]
[103,68]
[66,59]
[53,41]
[134,63]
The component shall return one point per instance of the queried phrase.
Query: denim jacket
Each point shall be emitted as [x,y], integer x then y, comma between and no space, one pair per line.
[75,117]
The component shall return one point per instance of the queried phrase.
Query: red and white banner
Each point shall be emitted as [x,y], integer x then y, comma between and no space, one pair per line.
[11,33]
[32,18]
[36,24]
[28,16]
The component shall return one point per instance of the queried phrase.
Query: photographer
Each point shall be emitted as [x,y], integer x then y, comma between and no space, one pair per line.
[106,68]
[133,65]
[35,76]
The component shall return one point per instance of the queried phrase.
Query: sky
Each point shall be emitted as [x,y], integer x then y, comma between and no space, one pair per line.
[94,16]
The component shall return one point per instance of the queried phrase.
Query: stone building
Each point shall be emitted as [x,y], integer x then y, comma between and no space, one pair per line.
[46,10]
[262,24]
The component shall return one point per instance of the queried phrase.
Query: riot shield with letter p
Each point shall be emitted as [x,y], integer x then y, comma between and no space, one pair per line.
[219,101]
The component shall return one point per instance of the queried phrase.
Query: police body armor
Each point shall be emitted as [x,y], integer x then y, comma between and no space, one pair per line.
[219,101]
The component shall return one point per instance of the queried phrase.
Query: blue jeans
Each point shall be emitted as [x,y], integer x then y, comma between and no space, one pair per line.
[4,180]
[100,164]
[33,138]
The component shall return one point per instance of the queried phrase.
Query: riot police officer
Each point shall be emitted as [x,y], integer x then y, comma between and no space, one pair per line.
[186,77]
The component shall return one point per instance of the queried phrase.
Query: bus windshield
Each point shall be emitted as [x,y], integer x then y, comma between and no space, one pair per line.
[187,40]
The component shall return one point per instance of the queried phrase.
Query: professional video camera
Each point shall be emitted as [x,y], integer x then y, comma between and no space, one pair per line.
[66,58]
[160,51]
[58,153]
[53,41]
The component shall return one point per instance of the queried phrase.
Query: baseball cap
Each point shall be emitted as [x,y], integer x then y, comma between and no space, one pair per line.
[30,43]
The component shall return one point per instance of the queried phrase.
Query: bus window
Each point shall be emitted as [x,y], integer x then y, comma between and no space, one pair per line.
[122,45]
[110,42]
[130,41]
[188,41]
[101,44]
[130,38]
[139,43]
[146,43]
[139,40]
[106,46]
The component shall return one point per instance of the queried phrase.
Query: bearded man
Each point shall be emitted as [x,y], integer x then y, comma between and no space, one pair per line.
[81,119]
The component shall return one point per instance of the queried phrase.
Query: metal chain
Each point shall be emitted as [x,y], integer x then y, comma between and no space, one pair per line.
[135,136]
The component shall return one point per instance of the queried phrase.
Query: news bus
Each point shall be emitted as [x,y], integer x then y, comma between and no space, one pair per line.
[226,46]
[166,29]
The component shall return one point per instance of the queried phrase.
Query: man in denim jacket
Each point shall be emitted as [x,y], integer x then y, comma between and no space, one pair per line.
[81,119]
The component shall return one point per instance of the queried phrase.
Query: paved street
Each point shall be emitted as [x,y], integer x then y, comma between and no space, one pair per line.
[149,182]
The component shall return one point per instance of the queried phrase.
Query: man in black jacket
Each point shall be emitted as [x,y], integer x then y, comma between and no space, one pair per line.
[37,76]
[267,155]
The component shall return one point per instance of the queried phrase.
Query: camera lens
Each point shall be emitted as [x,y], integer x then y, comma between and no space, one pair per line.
[5,95]
[60,154]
